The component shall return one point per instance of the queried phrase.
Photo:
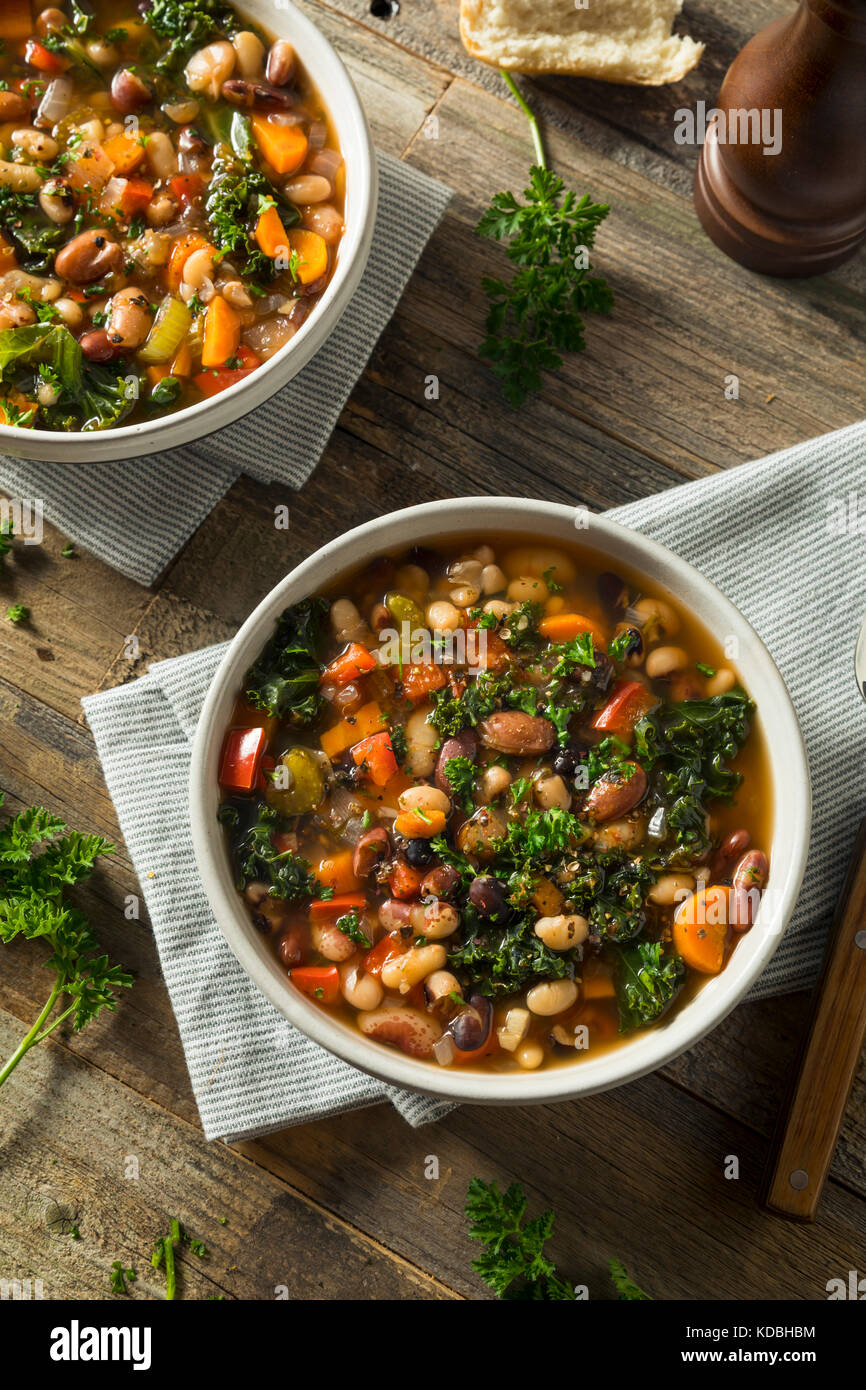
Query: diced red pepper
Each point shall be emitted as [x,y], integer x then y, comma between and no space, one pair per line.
[629,702]
[355,661]
[405,881]
[38,56]
[321,982]
[336,906]
[242,753]
[378,757]
[186,187]
[217,379]
[388,948]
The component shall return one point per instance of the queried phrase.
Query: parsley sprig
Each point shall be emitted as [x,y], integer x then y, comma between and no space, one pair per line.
[38,863]
[538,315]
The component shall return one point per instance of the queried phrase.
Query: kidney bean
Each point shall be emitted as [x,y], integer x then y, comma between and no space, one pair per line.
[97,346]
[370,849]
[240,91]
[487,896]
[440,882]
[13,106]
[462,745]
[732,848]
[407,1028]
[128,92]
[614,796]
[470,1028]
[281,63]
[87,257]
[292,947]
[512,731]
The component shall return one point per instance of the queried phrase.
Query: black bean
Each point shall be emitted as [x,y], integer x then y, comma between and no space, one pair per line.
[470,1028]
[488,896]
[419,853]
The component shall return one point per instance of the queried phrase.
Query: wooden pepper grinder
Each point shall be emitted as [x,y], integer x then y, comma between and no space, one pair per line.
[802,210]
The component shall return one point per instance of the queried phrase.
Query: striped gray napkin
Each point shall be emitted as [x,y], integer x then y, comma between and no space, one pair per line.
[783,537]
[136,514]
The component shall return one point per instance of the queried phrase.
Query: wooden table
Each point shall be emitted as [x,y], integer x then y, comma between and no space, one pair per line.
[343,1209]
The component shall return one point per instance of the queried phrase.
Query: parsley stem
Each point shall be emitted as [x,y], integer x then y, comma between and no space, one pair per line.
[529,114]
[32,1037]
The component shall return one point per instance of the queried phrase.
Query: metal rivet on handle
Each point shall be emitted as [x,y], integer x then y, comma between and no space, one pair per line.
[799,1179]
[860,940]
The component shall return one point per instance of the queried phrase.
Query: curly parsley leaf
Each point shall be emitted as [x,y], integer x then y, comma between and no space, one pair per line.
[625,1286]
[513,1264]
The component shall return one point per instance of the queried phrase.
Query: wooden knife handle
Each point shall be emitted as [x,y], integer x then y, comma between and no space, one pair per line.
[809,1124]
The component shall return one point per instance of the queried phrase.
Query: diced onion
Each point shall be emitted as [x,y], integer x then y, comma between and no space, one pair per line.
[171,325]
[317,135]
[55,103]
[444,1049]
[327,163]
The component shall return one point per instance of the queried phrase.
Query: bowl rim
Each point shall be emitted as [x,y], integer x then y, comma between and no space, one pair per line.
[205,417]
[786,757]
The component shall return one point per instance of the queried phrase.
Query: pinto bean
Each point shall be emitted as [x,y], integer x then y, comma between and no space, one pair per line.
[513,731]
[394,914]
[732,849]
[462,745]
[13,106]
[280,66]
[292,947]
[87,257]
[409,1029]
[129,92]
[613,795]
[749,879]
[130,319]
[370,849]
[331,942]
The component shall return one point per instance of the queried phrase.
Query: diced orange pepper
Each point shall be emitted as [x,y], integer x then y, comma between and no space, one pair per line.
[367,720]
[135,196]
[186,187]
[421,678]
[376,755]
[222,333]
[355,661]
[312,254]
[627,704]
[125,153]
[283,146]
[335,871]
[415,824]
[405,881]
[40,57]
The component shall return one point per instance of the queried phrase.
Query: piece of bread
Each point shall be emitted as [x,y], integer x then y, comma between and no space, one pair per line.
[612,40]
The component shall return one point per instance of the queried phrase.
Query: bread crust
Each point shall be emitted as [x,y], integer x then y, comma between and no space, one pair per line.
[684,57]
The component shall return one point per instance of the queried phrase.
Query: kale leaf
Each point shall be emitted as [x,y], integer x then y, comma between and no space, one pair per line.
[256,857]
[647,980]
[189,24]
[285,679]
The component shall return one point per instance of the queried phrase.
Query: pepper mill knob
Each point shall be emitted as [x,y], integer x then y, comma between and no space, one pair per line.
[801,210]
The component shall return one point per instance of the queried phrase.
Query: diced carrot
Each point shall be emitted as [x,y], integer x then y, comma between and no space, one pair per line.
[271,234]
[312,254]
[40,57]
[8,259]
[627,704]
[125,152]
[21,404]
[222,333]
[16,19]
[327,908]
[186,187]
[562,627]
[421,678]
[493,653]
[136,196]
[597,979]
[405,881]
[388,948]
[283,146]
[367,720]
[321,982]
[211,382]
[417,824]
[376,755]
[355,661]
[180,253]
[700,929]
[157,373]
[182,364]
[335,871]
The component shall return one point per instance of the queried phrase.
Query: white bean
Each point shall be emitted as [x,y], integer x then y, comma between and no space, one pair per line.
[208,69]
[530,1055]
[409,969]
[424,798]
[161,155]
[526,589]
[562,933]
[442,616]
[22,177]
[551,792]
[36,144]
[250,53]
[657,617]
[551,997]
[723,681]
[495,780]
[492,579]
[671,888]
[421,740]
[359,989]
[308,188]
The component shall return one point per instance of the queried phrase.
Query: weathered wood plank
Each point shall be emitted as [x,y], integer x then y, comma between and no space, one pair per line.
[77,1148]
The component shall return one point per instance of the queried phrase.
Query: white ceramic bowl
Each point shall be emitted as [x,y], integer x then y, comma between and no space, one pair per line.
[283,20]
[497,516]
